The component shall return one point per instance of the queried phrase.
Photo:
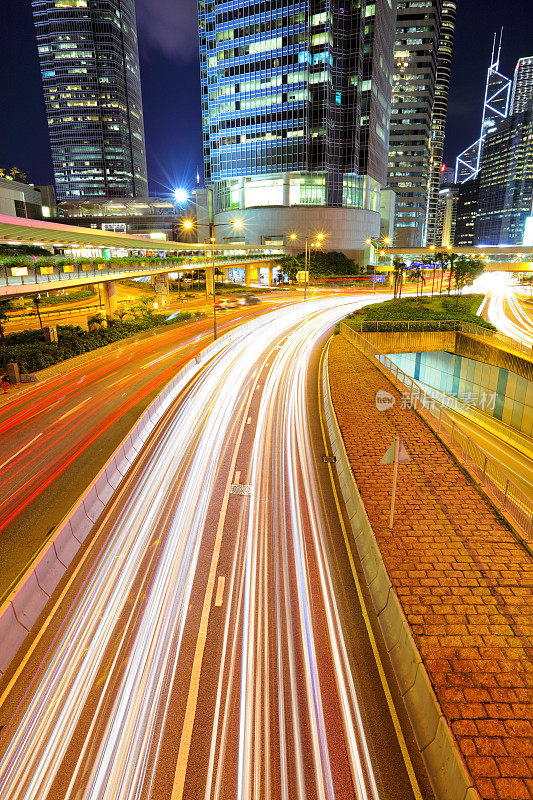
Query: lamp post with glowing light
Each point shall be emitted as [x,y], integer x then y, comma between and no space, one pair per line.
[376,242]
[307,262]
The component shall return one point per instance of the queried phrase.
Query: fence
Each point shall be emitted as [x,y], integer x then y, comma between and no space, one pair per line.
[506,494]
[419,325]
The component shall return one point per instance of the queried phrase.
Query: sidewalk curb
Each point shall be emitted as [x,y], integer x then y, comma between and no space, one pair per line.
[446,770]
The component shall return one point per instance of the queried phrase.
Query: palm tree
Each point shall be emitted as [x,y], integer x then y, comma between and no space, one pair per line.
[37,302]
[398,268]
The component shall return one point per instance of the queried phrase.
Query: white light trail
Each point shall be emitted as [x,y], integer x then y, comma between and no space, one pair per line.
[153,548]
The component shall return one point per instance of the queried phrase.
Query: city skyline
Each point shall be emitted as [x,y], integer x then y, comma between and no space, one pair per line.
[174,149]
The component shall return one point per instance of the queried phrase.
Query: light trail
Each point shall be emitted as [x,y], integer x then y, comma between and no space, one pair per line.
[119,647]
[506,313]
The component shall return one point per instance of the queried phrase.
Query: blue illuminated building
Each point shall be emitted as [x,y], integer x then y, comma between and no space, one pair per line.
[296,107]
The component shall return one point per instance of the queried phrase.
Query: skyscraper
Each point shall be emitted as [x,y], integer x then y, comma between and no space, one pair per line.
[522,85]
[417,45]
[90,70]
[495,109]
[506,181]
[295,116]
[438,124]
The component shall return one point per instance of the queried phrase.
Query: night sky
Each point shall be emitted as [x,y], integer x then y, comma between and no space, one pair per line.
[168,42]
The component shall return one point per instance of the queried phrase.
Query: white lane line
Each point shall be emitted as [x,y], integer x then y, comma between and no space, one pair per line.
[237,477]
[72,410]
[127,377]
[20,451]
[220,590]
[248,420]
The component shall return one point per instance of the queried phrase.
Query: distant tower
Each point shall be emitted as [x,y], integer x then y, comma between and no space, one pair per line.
[522,85]
[416,55]
[495,109]
[440,108]
[90,70]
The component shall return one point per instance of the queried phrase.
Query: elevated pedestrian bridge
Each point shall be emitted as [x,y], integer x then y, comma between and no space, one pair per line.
[102,251]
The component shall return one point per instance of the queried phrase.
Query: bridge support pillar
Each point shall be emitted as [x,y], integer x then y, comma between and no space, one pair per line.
[271,276]
[248,274]
[110,297]
[161,286]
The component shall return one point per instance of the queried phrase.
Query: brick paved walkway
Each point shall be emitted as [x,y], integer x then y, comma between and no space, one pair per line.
[465,585]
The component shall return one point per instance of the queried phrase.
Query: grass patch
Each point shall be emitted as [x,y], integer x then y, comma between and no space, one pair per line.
[422,309]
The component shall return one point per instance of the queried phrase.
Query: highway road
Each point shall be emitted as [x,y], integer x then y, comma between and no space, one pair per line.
[210,641]
[58,434]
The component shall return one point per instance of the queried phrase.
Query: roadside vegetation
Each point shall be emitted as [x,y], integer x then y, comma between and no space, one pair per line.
[423,309]
[31,352]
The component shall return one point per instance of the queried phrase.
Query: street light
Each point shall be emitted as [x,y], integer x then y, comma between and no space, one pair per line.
[307,262]
[376,242]
[237,224]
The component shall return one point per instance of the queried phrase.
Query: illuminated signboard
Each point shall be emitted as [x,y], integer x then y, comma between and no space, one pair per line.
[527,241]
[19,271]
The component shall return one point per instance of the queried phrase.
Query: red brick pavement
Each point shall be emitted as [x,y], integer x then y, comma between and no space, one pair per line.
[465,584]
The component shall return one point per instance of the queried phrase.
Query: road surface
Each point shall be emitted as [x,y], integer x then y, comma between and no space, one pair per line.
[56,436]
[210,642]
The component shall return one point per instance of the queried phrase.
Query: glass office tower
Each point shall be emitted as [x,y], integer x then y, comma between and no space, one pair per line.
[282,105]
[417,45]
[505,197]
[90,70]
[438,122]
[522,85]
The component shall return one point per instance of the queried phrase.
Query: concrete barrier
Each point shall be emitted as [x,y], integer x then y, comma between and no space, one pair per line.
[25,603]
[445,766]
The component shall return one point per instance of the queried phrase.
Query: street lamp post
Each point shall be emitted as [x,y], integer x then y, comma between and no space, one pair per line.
[188,225]
[377,241]
[307,261]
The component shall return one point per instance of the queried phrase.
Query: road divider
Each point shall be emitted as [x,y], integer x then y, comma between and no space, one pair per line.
[21,608]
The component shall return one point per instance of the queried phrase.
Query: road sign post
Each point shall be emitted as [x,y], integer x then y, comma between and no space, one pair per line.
[396,454]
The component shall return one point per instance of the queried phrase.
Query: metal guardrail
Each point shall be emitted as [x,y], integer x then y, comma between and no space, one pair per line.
[120,271]
[436,325]
[506,494]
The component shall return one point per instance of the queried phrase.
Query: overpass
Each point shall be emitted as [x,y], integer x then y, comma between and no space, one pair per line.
[498,258]
[78,243]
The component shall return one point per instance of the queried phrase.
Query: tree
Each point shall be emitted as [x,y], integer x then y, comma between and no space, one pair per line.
[37,302]
[290,265]
[466,271]
[121,312]
[397,272]
[96,321]
[5,306]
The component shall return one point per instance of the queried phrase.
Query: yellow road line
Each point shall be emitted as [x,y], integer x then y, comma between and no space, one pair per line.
[388,696]
[220,591]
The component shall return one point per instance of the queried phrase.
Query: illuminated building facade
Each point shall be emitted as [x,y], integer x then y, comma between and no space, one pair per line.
[506,181]
[417,46]
[90,70]
[438,124]
[296,108]
[522,85]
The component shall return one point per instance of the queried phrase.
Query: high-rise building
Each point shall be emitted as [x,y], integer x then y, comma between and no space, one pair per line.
[295,107]
[446,216]
[522,85]
[438,123]
[506,181]
[417,45]
[495,109]
[90,70]
[466,213]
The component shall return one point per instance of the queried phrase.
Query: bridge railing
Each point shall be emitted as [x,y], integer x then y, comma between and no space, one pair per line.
[495,482]
[120,270]
[422,325]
